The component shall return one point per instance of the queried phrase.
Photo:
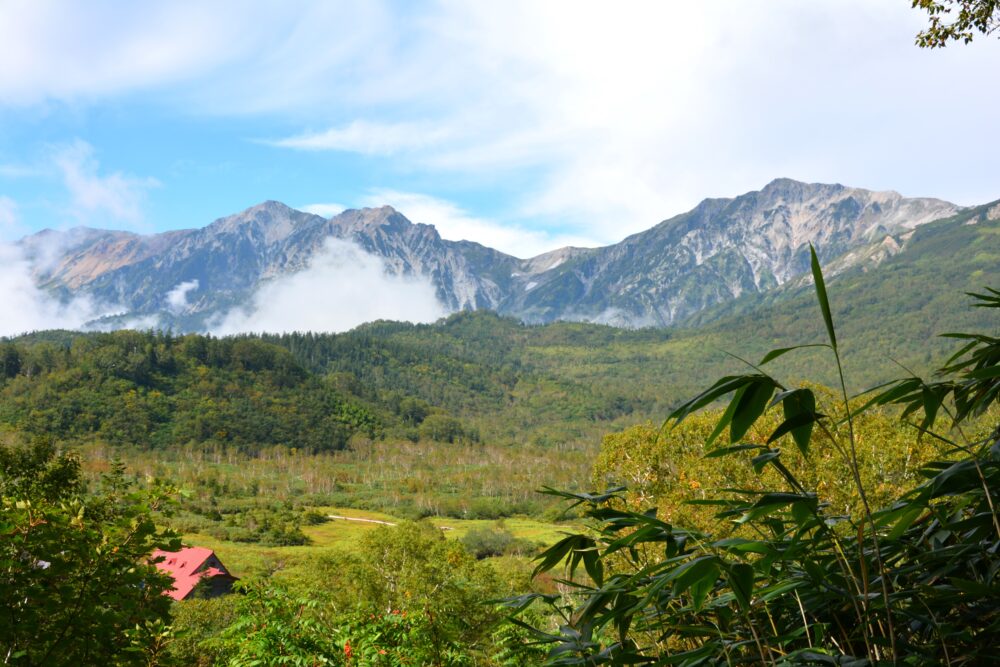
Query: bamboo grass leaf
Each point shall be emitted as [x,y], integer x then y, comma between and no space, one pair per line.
[821,296]
[750,407]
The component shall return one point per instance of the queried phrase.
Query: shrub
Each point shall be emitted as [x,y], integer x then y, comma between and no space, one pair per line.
[496,541]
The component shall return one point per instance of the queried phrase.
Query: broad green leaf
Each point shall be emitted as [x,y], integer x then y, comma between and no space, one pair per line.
[726,418]
[750,407]
[800,416]
[741,578]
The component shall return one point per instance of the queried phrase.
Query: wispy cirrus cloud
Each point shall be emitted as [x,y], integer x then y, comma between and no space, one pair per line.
[369,138]
[64,51]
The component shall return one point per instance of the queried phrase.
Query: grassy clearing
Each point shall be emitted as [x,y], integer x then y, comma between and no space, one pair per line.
[343,536]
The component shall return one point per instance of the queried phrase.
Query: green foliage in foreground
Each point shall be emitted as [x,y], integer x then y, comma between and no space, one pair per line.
[76,587]
[913,582]
[971,17]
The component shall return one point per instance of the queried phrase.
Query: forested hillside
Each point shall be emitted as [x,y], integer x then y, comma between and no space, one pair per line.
[153,390]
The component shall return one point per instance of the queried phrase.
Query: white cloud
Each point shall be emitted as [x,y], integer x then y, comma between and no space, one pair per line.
[327,210]
[368,138]
[456,224]
[225,56]
[28,308]
[67,51]
[632,113]
[177,298]
[116,195]
[342,288]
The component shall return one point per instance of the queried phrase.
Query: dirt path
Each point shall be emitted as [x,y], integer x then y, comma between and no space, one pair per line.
[378,521]
[354,518]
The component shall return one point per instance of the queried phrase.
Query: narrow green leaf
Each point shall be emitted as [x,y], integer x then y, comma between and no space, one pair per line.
[592,564]
[774,354]
[758,462]
[726,451]
[700,589]
[974,588]
[984,373]
[905,522]
[704,569]
[721,387]
[824,302]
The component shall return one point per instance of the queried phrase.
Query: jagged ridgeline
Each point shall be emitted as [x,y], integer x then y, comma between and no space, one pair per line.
[483,376]
[720,250]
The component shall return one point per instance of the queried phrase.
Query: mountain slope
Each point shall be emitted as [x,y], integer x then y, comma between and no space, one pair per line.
[718,251]
[888,315]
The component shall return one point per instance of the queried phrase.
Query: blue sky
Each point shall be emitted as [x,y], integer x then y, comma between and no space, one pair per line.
[522,125]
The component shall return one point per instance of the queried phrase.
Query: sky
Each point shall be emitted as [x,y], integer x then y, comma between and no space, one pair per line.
[524,125]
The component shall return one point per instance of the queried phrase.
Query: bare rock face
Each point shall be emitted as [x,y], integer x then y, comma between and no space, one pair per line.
[715,252]
[719,250]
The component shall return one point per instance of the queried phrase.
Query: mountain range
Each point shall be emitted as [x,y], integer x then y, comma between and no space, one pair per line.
[720,250]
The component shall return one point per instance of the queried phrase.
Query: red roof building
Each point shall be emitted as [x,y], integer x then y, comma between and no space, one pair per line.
[189,567]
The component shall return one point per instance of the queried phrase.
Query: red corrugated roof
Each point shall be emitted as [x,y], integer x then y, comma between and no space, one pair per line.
[185,566]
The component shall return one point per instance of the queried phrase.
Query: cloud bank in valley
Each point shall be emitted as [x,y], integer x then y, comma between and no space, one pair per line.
[27,308]
[342,288]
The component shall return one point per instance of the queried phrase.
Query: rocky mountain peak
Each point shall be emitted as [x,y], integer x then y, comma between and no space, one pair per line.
[271,221]
[381,217]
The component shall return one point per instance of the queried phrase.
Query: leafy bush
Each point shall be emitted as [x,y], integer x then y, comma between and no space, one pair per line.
[273,628]
[496,541]
[77,587]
